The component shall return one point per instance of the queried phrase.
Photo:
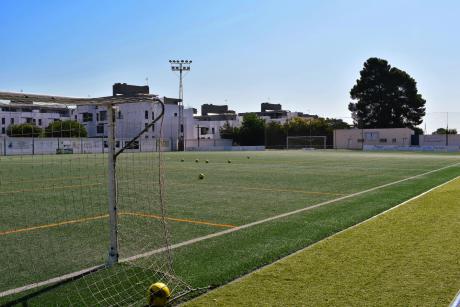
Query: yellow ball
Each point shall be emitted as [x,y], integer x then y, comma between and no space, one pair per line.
[158,295]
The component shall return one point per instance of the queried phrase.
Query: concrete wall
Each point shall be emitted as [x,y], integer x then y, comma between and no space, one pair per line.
[49,146]
[205,144]
[353,138]
[439,140]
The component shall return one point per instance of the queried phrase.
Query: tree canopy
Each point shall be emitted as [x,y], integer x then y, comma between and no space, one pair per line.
[23,130]
[385,97]
[255,131]
[445,131]
[251,131]
[66,128]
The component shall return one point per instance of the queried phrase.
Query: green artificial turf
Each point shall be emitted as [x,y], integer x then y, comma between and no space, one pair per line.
[406,257]
[247,190]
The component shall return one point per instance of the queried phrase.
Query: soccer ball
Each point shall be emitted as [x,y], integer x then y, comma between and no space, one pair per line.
[201,176]
[196,160]
[229,161]
[207,161]
[158,295]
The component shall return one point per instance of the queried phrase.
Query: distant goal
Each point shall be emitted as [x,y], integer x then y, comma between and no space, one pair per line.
[306,142]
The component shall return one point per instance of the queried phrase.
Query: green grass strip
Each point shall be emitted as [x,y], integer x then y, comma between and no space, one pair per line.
[406,257]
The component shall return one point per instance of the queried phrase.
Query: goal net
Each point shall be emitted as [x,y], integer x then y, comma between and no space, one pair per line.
[84,218]
[306,141]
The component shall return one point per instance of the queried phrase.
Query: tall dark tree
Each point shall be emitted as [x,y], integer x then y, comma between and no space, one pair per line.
[385,97]
[251,132]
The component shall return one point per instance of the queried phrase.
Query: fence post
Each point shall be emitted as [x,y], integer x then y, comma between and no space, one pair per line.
[113,215]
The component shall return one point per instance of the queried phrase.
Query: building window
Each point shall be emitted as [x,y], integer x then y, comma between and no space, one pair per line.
[383,140]
[146,114]
[175,114]
[120,116]
[87,117]
[394,140]
[3,130]
[153,128]
[213,131]
[153,115]
[39,121]
[100,128]
[3,120]
[371,136]
[145,125]
[103,116]
[204,130]
[11,120]
[34,121]
[75,117]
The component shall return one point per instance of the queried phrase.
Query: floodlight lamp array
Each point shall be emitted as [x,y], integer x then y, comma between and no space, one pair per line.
[180,61]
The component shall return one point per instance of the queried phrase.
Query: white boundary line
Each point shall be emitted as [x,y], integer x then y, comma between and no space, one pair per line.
[455,302]
[50,281]
[224,232]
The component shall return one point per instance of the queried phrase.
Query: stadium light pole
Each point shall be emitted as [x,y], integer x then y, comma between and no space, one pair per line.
[180,66]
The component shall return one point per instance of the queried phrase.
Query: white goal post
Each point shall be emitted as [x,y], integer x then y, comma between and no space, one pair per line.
[306,141]
[76,216]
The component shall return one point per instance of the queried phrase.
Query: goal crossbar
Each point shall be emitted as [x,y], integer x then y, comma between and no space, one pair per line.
[305,141]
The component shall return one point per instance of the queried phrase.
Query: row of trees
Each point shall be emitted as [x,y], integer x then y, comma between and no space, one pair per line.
[255,131]
[67,128]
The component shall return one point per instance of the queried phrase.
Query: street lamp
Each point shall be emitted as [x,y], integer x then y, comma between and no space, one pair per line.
[180,66]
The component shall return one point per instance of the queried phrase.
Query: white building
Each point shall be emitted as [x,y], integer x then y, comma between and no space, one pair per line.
[132,118]
[39,114]
[209,126]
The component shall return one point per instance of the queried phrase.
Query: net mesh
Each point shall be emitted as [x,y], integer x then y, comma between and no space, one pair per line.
[299,142]
[54,200]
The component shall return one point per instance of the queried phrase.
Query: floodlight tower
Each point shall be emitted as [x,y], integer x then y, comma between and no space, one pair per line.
[180,66]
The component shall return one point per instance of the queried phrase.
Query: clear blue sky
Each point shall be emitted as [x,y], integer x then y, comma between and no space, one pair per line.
[303,54]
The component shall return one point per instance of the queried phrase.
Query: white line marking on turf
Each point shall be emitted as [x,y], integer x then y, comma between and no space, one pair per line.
[457,299]
[224,232]
[50,281]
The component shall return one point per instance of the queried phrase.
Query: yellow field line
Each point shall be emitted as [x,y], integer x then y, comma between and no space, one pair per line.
[158,217]
[52,188]
[97,217]
[264,189]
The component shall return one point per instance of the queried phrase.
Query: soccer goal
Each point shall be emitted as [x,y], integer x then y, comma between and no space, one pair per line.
[306,141]
[83,217]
